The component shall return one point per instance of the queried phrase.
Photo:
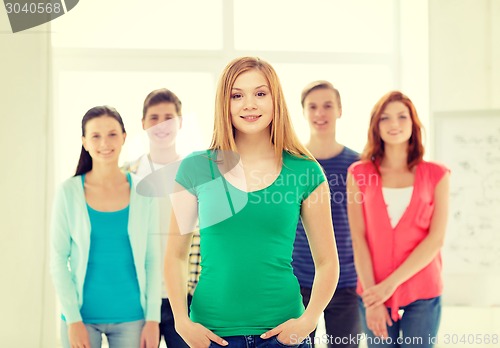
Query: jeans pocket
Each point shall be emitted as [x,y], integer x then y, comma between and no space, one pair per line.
[280,344]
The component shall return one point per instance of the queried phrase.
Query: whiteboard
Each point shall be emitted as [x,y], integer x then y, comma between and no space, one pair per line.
[468,142]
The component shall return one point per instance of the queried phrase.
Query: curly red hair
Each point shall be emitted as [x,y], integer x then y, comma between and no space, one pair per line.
[374,149]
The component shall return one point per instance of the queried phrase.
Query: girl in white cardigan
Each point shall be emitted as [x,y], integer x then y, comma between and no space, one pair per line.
[105,256]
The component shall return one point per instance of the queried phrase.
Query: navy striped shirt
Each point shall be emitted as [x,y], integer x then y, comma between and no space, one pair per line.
[303,266]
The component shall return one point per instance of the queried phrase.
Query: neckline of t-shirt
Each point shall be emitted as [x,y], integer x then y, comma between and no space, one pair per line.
[259,190]
[129,179]
[413,197]
[332,157]
[107,212]
[397,188]
[157,166]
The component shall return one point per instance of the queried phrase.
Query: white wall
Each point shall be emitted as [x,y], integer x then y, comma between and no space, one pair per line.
[464,64]
[464,41]
[414,45]
[26,299]
[495,53]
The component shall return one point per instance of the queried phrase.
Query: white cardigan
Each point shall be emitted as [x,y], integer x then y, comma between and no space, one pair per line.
[70,243]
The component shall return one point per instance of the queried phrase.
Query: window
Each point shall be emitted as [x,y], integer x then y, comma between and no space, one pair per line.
[134,24]
[315,25]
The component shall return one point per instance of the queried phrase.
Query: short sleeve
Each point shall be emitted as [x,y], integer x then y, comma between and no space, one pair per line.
[352,168]
[437,171]
[362,172]
[185,174]
[315,177]
[195,170]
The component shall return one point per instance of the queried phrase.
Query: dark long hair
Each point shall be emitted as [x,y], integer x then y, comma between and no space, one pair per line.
[85,161]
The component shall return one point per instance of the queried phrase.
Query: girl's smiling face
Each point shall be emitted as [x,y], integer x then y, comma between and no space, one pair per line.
[251,103]
[103,139]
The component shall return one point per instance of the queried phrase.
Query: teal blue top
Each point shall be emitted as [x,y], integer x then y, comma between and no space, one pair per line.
[70,249]
[247,285]
[111,291]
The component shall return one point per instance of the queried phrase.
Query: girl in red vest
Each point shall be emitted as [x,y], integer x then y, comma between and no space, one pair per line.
[398,207]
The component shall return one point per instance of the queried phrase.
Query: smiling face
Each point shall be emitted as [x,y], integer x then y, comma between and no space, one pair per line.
[395,124]
[103,139]
[251,104]
[162,123]
[321,109]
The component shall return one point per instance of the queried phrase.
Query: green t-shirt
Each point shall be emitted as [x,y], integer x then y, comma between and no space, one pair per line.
[247,285]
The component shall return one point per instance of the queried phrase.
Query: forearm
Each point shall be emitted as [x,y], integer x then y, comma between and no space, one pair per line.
[185,209]
[362,254]
[176,271]
[420,257]
[67,295]
[363,263]
[324,285]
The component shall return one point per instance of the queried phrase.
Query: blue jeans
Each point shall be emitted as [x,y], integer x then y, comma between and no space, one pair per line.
[254,341]
[120,335]
[418,327]
[167,326]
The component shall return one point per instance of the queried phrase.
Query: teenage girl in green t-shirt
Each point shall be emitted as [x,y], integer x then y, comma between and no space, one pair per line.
[247,192]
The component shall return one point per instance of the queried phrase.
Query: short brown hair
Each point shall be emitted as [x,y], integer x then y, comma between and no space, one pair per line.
[161,95]
[320,84]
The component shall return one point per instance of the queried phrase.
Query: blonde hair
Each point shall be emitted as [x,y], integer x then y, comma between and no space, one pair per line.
[283,136]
